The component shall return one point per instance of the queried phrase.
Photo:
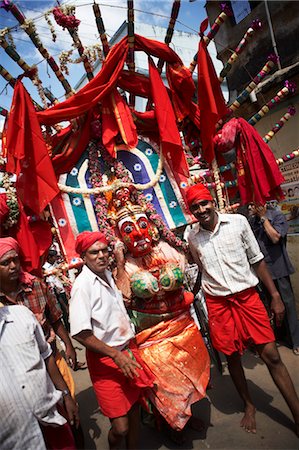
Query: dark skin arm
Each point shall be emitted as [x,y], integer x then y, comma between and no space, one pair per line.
[70,352]
[270,231]
[127,365]
[69,403]
[277,306]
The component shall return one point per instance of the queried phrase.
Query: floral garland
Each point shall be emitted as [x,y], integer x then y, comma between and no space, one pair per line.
[6,32]
[51,26]
[12,201]
[116,169]
[92,53]
[100,201]
[65,17]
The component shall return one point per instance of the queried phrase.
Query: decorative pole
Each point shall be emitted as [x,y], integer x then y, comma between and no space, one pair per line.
[7,76]
[225,12]
[31,72]
[29,28]
[101,28]
[70,22]
[289,88]
[291,112]
[272,60]
[131,40]
[256,25]
[173,17]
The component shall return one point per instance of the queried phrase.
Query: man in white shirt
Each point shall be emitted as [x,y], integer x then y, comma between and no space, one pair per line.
[230,261]
[99,321]
[28,398]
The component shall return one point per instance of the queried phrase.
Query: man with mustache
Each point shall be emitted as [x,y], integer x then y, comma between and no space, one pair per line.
[230,261]
[99,321]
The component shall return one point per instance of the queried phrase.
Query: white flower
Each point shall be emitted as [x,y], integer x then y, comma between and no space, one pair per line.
[183,184]
[148,151]
[149,197]
[172,204]
[74,260]
[74,171]
[77,201]
[137,167]
[162,178]
[62,222]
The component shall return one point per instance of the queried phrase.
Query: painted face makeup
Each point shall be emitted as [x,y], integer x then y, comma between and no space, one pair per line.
[136,233]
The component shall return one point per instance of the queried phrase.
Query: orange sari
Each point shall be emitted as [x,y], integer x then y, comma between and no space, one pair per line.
[175,352]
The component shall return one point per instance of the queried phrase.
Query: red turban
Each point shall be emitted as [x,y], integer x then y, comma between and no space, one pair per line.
[197,192]
[87,238]
[7,244]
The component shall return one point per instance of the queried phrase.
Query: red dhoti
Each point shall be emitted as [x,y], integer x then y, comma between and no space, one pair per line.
[237,320]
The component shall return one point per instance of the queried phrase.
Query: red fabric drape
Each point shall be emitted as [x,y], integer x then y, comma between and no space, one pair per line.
[259,177]
[210,101]
[27,154]
[169,134]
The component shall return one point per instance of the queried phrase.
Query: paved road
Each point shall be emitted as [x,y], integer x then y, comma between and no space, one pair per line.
[221,412]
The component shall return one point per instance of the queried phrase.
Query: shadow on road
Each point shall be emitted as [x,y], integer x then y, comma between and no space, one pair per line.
[89,411]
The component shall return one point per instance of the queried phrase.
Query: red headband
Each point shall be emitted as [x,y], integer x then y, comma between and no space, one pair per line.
[7,244]
[197,192]
[87,238]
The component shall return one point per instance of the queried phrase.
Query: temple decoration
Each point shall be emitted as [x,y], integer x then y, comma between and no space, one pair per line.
[101,28]
[289,88]
[169,33]
[131,40]
[11,201]
[30,29]
[282,121]
[220,19]
[256,25]
[64,16]
[272,60]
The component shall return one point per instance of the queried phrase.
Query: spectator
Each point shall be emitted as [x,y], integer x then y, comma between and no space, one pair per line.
[270,229]
[230,260]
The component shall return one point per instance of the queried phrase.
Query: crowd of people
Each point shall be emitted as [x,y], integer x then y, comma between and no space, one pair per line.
[142,345]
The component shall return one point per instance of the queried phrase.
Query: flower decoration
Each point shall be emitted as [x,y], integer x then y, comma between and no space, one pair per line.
[62,222]
[292,110]
[51,26]
[148,152]
[137,167]
[65,17]
[172,204]
[291,86]
[162,178]
[11,201]
[256,24]
[226,9]
[272,57]
[77,201]
[74,171]
[149,197]
[183,185]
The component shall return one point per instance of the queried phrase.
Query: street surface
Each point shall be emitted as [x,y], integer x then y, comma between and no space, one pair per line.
[221,412]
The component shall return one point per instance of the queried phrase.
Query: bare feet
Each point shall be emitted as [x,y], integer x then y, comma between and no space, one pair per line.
[248,421]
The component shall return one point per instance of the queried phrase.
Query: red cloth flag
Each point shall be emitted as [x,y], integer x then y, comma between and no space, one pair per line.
[170,138]
[27,154]
[210,101]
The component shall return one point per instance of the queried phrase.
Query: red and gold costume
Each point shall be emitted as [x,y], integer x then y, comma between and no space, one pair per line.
[168,339]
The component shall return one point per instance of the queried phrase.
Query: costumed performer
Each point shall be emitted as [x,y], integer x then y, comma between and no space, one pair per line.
[150,275]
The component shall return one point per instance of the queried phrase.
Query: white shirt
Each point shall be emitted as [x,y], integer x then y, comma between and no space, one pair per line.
[98,306]
[225,255]
[27,394]
[53,280]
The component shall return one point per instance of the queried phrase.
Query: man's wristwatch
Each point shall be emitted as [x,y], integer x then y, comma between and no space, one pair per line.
[263,219]
[65,392]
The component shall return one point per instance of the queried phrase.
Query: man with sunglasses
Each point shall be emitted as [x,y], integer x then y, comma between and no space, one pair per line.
[230,262]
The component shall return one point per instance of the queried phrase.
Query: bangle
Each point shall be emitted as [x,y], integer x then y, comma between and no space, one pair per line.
[65,392]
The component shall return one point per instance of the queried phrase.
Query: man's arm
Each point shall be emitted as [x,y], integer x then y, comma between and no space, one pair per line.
[271,232]
[277,306]
[70,352]
[69,403]
[127,365]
